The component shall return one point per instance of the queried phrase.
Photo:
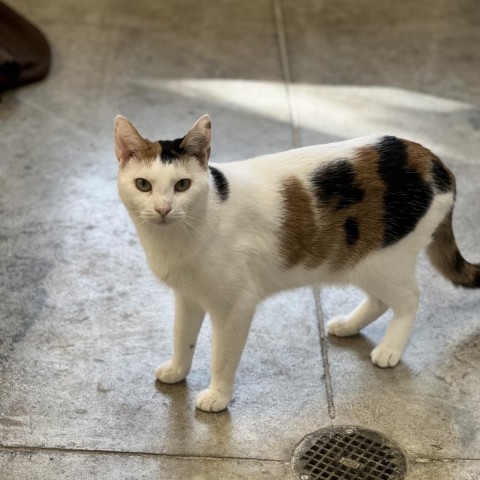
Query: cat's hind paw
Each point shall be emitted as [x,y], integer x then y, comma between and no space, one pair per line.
[168,373]
[341,327]
[385,357]
[212,401]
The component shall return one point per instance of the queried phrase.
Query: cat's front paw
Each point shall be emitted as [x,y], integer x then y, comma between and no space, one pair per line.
[212,401]
[169,373]
[385,357]
[341,327]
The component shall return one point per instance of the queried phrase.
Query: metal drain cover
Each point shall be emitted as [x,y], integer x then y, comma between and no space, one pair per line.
[348,453]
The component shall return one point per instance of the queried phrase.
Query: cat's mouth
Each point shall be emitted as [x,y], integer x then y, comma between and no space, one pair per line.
[163,222]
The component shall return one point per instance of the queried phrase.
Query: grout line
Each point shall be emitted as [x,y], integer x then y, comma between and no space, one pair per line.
[286,70]
[83,451]
[55,450]
[324,352]
[427,461]
[287,76]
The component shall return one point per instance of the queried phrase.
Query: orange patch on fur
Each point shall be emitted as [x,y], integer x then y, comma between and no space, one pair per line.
[422,160]
[370,211]
[316,232]
[299,242]
[148,152]
[419,158]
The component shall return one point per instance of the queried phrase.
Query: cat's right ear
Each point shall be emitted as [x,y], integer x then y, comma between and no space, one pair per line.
[128,142]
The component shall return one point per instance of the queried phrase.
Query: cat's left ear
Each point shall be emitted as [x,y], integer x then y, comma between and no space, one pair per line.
[197,141]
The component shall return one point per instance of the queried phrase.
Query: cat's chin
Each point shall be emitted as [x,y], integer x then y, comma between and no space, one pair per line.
[163,223]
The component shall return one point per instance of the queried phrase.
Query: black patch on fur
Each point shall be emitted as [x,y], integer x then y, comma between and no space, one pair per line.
[221,183]
[171,150]
[352,233]
[459,264]
[441,177]
[476,282]
[407,196]
[336,182]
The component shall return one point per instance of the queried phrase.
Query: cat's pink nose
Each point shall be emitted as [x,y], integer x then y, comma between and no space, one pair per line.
[163,212]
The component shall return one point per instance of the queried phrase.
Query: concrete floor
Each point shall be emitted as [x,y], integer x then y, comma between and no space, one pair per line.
[83,323]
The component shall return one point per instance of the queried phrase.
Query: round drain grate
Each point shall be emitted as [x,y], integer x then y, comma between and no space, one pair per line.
[348,453]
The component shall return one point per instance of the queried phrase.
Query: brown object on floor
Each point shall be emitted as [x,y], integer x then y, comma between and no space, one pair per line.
[24,51]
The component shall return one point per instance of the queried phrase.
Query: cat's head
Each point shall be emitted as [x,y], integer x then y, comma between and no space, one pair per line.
[164,182]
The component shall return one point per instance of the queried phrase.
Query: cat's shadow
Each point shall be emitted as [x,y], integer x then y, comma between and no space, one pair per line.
[170,389]
[359,347]
[179,394]
[360,344]
[185,422]
[183,395]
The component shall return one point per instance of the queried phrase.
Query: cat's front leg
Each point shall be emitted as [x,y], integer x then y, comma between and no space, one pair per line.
[229,334]
[188,320]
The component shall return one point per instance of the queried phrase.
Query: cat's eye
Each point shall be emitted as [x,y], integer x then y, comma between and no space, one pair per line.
[182,185]
[143,185]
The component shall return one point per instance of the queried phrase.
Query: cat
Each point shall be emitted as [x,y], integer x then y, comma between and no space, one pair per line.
[226,236]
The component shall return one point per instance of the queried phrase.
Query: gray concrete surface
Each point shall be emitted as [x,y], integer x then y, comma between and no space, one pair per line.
[83,324]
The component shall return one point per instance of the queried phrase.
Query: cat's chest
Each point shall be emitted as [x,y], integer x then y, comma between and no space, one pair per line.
[169,260]
[199,277]
[181,273]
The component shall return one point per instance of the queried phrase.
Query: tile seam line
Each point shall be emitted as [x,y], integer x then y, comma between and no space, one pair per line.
[324,353]
[85,451]
[6,448]
[288,80]
[427,461]
[286,70]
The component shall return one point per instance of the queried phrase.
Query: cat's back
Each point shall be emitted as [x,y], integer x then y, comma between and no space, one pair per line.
[383,164]
[301,159]
[337,202]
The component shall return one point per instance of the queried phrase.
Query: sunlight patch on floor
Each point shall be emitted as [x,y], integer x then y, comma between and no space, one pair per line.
[342,111]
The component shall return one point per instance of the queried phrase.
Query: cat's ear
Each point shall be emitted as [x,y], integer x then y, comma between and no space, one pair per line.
[197,141]
[128,142]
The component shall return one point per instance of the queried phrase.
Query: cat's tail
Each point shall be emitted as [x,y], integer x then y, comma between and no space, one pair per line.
[447,259]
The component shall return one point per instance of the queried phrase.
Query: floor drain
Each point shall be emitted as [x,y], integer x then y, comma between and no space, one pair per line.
[348,453]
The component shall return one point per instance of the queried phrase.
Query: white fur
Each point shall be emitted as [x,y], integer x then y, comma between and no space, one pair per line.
[223,257]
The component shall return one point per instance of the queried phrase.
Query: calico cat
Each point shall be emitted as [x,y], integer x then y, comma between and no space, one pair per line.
[224,237]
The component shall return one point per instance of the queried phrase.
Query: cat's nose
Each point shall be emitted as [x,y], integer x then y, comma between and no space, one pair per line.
[163,212]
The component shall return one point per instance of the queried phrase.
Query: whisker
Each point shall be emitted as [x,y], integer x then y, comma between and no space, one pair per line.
[197,231]
[184,229]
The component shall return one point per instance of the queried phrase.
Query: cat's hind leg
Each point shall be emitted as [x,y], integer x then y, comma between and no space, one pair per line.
[403,300]
[368,311]
[396,286]
[188,320]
